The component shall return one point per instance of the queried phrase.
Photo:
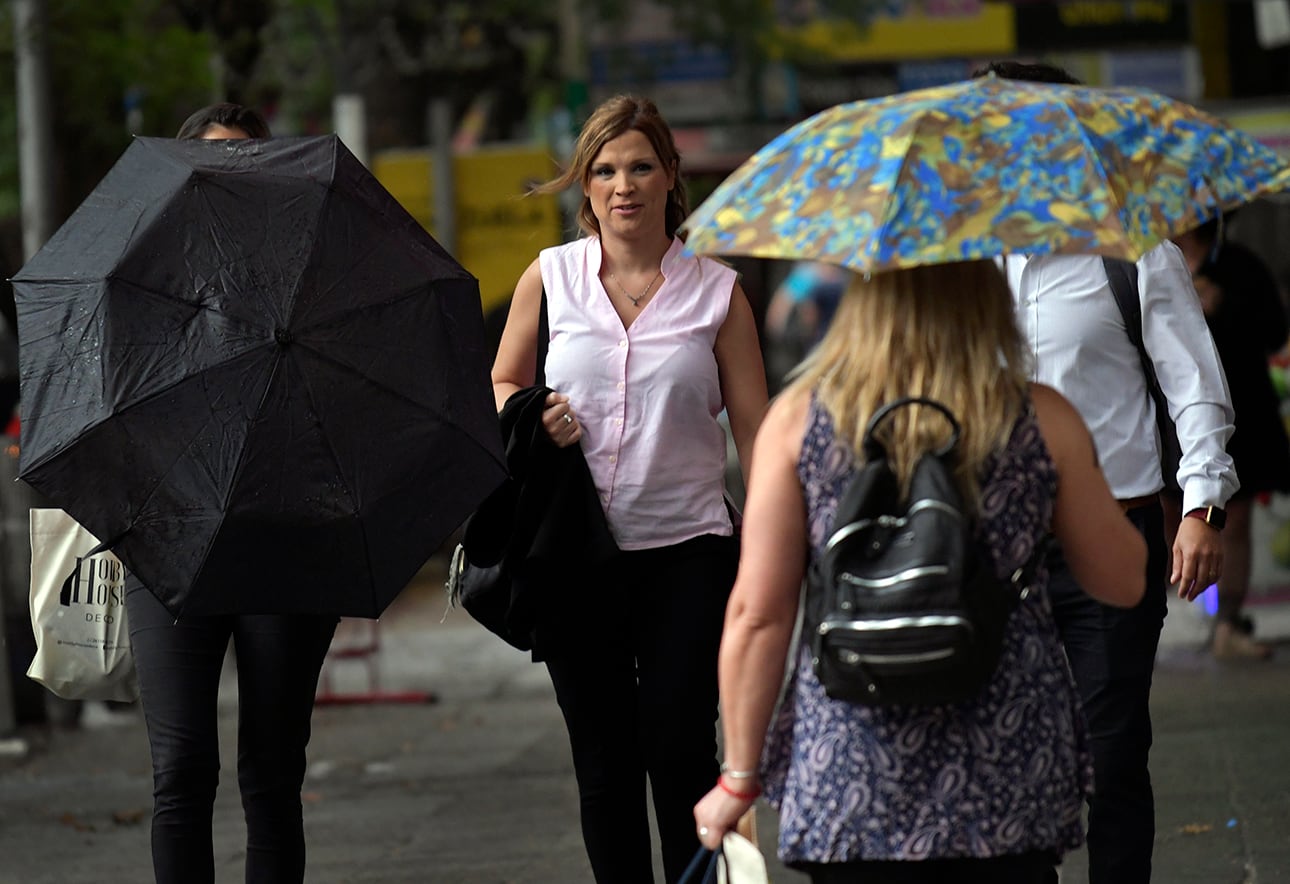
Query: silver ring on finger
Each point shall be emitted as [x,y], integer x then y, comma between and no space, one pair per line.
[568,419]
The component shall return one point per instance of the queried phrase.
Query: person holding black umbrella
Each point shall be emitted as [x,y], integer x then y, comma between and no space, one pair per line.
[179,661]
[646,346]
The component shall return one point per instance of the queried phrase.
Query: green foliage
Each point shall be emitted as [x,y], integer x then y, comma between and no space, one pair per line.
[103,55]
[139,67]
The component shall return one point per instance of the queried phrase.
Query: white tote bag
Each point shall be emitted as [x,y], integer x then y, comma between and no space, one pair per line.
[78,613]
[740,861]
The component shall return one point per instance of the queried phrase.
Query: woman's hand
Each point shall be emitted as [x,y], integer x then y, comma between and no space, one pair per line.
[559,421]
[717,813]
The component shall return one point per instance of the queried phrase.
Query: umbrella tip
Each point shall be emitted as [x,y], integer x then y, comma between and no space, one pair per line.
[282,336]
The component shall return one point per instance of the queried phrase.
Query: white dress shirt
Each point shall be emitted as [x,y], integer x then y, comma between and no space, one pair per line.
[1079,345]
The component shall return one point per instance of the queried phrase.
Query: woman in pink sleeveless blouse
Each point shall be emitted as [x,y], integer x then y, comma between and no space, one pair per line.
[646,347]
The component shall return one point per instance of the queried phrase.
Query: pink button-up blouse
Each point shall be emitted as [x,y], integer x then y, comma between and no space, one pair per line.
[647,396]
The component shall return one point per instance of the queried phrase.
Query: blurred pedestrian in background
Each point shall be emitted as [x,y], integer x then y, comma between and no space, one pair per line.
[1079,344]
[8,372]
[646,347]
[799,314]
[1247,318]
[179,661]
[986,790]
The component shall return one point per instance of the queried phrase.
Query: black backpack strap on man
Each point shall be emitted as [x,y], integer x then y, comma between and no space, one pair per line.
[900,607]
[1123,277]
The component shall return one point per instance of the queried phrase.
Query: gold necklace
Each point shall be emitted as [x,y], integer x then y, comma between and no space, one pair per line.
[636,301]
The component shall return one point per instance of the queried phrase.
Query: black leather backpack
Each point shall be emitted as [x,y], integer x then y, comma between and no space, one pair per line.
[899,606]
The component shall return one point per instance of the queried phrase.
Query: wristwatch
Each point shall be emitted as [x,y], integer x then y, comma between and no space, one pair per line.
[1213,516]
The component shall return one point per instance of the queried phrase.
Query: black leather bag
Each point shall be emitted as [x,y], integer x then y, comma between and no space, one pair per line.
[900,608]
[486,592]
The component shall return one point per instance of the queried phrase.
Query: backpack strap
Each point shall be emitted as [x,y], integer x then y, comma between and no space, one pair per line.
[1024,577]
[873,448]
[1123,278]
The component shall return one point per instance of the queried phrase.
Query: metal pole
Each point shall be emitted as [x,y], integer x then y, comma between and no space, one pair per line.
[573,68]
[350,118]
[443,181]
[35,184]
[35,130]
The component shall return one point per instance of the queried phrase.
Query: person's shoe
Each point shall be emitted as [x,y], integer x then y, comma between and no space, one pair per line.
[1231,643]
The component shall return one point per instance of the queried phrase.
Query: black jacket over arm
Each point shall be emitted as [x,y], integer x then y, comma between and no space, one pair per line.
[546,522]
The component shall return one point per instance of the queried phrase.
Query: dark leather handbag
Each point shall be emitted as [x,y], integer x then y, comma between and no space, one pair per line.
[487,591]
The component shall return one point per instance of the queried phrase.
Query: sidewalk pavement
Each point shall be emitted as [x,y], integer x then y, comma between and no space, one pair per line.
[477,788]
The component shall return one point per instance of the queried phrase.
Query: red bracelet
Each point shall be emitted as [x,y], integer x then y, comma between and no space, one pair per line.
[742,796]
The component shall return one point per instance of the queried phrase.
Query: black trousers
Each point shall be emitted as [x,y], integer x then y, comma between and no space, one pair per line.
[1112,652]
[179,664]
[1022,868]
[639,697]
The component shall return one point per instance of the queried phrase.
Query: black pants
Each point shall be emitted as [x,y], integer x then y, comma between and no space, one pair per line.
[179,663]
[1112,653]
[639,698]
[1023,868]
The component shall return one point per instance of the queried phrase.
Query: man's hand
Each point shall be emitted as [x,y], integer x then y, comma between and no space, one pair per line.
[1197,558]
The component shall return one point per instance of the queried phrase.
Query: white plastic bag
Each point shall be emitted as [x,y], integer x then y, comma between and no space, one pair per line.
[78,613]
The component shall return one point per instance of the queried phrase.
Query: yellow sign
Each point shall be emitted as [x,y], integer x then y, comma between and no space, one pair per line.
[500,229]
[985,29]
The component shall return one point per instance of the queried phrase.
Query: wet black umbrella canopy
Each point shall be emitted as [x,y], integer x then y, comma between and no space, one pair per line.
[252,373]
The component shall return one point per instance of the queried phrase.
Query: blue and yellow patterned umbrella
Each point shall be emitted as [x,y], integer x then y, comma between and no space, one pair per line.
[981,168]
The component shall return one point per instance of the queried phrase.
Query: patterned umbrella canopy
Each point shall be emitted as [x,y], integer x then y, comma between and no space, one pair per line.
[980,168]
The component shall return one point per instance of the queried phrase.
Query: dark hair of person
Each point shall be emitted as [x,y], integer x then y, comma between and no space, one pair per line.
[228,115]
[1036,72]
[614,117]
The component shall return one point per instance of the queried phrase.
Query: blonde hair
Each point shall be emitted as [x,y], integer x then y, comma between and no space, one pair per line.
[944,331]
[613,118]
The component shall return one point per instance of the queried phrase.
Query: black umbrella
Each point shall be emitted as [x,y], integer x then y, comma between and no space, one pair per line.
[254,375]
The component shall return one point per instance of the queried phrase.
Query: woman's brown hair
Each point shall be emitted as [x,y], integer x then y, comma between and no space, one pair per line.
[614,117]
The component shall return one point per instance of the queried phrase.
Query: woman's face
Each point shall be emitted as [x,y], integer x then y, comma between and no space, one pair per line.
[216,132]
[628,187]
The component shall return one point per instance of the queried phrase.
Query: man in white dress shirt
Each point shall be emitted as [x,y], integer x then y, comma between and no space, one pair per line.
[1080,346]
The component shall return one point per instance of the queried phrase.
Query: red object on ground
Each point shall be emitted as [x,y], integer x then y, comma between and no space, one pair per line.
[365,649]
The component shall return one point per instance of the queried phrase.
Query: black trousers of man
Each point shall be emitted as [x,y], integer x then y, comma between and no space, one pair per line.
[1112,653]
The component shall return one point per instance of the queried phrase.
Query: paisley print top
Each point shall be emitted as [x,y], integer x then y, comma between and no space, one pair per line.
[1004,773]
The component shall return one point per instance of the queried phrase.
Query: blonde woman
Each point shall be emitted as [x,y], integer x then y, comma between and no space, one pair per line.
[985,790]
